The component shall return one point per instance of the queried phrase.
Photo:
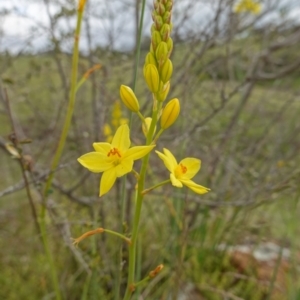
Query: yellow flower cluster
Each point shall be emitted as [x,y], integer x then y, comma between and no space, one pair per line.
[115,158]
[116,120]
[247,6]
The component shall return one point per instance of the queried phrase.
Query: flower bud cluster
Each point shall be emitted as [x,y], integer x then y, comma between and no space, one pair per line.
[157,60]
[158,69]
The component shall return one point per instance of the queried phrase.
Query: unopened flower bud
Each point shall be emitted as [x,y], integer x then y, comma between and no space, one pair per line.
[160,9]
[170,113]
[151,77]
[158,21]
[170,46]
[165,32]
[150,59]
[153,28]
[129,99]
[146,126]
[169,5]
[163,93]
[167,17]
[166,71]
[155,39]
[151,49]
[161,53]
[154,13]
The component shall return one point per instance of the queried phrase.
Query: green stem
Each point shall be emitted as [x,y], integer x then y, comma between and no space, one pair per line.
[141,116]
[80,83]
[158,135]
[138,46]
[146,279]
[126,239]
[58,154]
[71,105]
[123,208]
[54,276]
[138,208]
[144,192]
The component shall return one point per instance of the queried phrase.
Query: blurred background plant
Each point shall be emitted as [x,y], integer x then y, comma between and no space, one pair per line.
[237,76]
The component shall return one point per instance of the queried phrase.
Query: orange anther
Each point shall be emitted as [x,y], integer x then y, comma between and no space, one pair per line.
[114,151]
[183,168]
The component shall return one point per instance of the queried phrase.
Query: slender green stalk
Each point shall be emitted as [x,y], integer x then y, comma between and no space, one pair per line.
[141,116]
[123,207]
[138,48]
[138,208]
[71,104]
[120,254]
[126,239]
[59,151]
[155,186]
[158,135]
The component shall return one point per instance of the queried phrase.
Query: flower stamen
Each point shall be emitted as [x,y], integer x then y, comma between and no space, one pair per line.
[114,151]
[183,169]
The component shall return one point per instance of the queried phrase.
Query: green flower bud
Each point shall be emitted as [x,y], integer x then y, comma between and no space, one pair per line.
[150,59]
[167,17]
[146,126]
[163,92]
[170,46]
[169,5]
[129,99]
[151,49]
[170,113]
[161,53]
[155,39]
[151,77]
[166,71]
[165,32]
[160,9]
[154,14]
[158,22]
[153,28]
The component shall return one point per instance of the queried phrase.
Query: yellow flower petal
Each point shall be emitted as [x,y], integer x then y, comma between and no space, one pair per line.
[121,139]
[107,181]
[103,148]
[137,152]
[167,161]
[193,166]
[95,162]
[175,181]
[124,168]
[199,189]
[171,157]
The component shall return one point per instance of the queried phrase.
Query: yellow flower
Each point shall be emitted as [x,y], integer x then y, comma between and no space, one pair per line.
[115,159]
[182,173]
[247,6]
